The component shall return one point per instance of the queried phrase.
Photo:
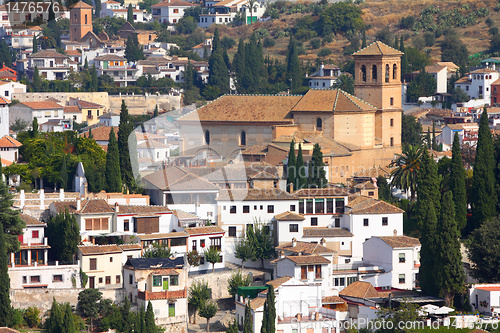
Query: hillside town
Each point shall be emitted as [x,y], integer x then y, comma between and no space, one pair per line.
[158,175]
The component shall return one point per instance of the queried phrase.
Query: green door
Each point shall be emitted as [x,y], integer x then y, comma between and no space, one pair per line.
[165,283]
[105,64]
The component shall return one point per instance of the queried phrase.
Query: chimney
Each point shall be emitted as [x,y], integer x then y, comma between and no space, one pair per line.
[78,204]
[395,233]
[322,242]
[294,242]
[117,207]
[282,254]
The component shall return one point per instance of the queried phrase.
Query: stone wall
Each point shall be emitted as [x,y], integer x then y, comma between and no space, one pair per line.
[42,298]
[95,97]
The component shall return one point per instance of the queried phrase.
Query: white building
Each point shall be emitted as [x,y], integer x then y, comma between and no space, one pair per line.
[57,125]
[485,298]
[467,134]
[116,9]
[156,151]
[399,256]
[170,11]
[20,37]
[9,88]
[325,77]
[4,116]
[122,72]
[440,74]
[225,11]
[9,148]
[203,238]
[477,84]
[42,111]
[73,113]
[110,119]
[51,65]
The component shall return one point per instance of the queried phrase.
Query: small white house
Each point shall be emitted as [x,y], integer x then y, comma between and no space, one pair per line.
[43,111]
[51,64]
[477,84]
[485,298]
[9,148]
[440,74]
[110,119]
[4,116]
[203,238]
[325,77]
[9,88]
[170,11]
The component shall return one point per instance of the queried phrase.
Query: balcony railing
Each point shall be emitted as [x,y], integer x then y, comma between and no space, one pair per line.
[166,294]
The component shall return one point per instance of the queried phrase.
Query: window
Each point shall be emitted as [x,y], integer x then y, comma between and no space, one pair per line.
[255,207]
[339,206]
[319,206]
[374,72]
[339,282]
[303,272]
[110,259]
[126,225]
[118,279]
[130,279]
[402,258]
[371,193]
[108,279]
[365,222]
[392,122]
[35,279]
[202,243]
[292,208]
[385,221]
[194,244]
[318,272]
[207,137]
[394,72]
[246,209]
[309,206]
[34,234]
[301,207]
[363,73]
[57,278]
[216,242]
[100,280]
[232,209]
[294,228]
[392,102]
[176,10]
[401,278]
[351,279]
[85,18]
[156,280]
[392,142]
[329,205]
[387,73]
[314,221]
[270,209]
[261,207]
[337,223]
[171,309]
[174,280]
[25,279]
[319,124]
[232,231]
[243,138]
[93,264]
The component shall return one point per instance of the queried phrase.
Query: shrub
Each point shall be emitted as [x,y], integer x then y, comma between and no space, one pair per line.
[32,316]
[327,39]
[227,42]
[268,42]
[407,22]
[429,38]
[324,52]
[301,50]
[315,43]
[489,22]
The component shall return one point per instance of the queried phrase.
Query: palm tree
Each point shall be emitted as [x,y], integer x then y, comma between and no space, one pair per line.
[407,165]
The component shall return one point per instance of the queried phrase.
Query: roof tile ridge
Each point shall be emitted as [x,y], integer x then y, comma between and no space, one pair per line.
[336,99]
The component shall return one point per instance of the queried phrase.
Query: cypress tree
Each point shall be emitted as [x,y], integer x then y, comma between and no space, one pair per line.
[226,58]
[112,173]
[404,58]
[11,222]
[218,75]
[68,321]
[238,65]
[155,112]
[301,170]
[428,262]
[130,14]
[91,136]
[265,315]
[363,41]
[457,184]
[5,309]
[451,277]
[37,81]
[292,167]
[248,322]
[54,324]
[396,42]
[98,7]
[52,14]
[150,319]
[271,310]
[483,192]
[434,142]
[93,74]
[317,173]
[428,139]
[35,44]
[64,174]
[86,65]
[293,68]
[216,44]
[252,71]
[125,128]
[142,321]
[427,187]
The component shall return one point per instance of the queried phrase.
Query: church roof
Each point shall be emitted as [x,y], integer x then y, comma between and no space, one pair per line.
[377,48]
[81,4]
[331,100]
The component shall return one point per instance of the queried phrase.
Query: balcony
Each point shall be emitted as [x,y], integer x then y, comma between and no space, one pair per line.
[166,294]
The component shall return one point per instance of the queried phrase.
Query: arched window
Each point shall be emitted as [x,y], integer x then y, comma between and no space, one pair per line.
[207,137]
[319,124]
[394,72]
[85,18]
[243,138]
[374,72]
[387,74]
[363,73]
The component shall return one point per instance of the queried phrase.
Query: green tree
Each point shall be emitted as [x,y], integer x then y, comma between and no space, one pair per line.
[199,293]
[407,165]
[404,58]
[269,322]
[363,40]
[340,17]
[155,112]
[244,251]
[193,258]
[64,174]
[55,322]
[293,68]
[248,322]
[98,6]
[411,131]
[157,250]
[238,64]
[149,320]
[484,198]
[208,310]
[261,239]
[64,236]
[112,173]
[301,170]
[434,142]
[317,173]
[454,50]
[406,312]
[87,301]
[186,25]
[212,255]
[483,251]
[218,74]
[457,184]
[94,79]
[345,82]
[5,309]
[423,85]
[237,280]
[429,264]
[35,44]
[68,320]
[233,327]
[12,227]
[130,14]
[291,167]
[451,277]
[133,50]
[32,316]
[36,84]
[384,190]
[125,128]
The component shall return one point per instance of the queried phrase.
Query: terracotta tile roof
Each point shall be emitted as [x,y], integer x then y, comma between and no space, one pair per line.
[176,179]
[434,68]
[88,105]
[7,75]
[483,71]
[142,210]
[8,141]
[173,3]
[279,281]
[182,215]
[95,206]
[130,247]
[400,241]
[331,101]
[101,133]
[257,302]
[360,289]
[289,216]
[152,144]
[31,220]
[99,249]
[308,260]
[73,53]
[254,195]
[333,300]
[204,230]
[455,126]
[368,185]
[305,248]
[255,150]
[464,80]
[326,232]
[366,205]
[49,53]
[110,57]
[60,206]
[163,235]
[320,192]
[42,105]
[377,48]
[81,4]
[243,108]
[72,109]
[451,66]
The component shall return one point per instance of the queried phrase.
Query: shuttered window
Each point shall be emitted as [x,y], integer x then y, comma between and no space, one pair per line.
[93,264]
[97,224]
[148,225]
